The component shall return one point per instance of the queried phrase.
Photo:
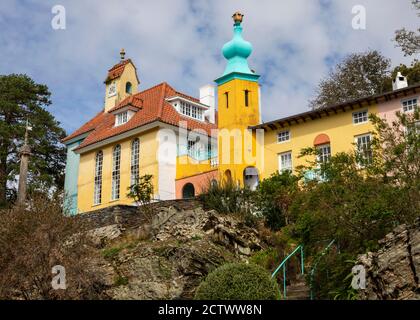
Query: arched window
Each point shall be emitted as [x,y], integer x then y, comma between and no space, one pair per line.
[188,191]
[128,87]
[97,193]
[135,154]
[116,164]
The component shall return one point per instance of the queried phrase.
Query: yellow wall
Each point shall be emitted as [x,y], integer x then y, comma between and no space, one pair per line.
[186,167]
[339,127]
[237,117]
[129,75]
[148,165]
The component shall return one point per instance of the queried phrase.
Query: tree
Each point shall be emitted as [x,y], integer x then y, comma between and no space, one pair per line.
[409,41]
[357,76]
[275,194]
[21,100]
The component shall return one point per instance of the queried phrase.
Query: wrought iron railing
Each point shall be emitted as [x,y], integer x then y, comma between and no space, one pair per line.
[283,265]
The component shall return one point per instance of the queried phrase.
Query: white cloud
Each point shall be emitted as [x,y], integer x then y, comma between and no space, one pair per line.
[179,41]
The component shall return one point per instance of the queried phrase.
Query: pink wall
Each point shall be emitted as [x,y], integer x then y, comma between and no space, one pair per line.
[199,181]
[388,109]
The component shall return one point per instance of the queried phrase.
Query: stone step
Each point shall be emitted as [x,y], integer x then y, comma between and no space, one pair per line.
[298,290]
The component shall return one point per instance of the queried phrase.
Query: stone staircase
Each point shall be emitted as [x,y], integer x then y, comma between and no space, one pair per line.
[298,290]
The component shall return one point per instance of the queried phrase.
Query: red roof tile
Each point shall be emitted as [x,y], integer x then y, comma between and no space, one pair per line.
[154,108]
[117,70]
[129,101]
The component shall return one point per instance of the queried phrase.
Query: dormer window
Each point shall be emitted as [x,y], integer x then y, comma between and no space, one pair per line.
[121,118]
[190,110]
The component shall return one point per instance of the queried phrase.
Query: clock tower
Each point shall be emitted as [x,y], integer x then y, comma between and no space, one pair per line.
[121,82]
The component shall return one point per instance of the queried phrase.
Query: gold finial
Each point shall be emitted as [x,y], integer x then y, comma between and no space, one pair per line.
[122,54]
[238,17]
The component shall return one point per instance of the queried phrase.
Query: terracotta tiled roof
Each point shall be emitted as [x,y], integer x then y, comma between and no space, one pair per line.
[88,126]
[154,108]
[117,70]
[134,101]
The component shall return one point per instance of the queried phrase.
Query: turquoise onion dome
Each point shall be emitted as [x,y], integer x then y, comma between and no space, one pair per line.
[237,50]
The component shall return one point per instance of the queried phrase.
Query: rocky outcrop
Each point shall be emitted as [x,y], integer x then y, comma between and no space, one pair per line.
[166,257]
[393,272]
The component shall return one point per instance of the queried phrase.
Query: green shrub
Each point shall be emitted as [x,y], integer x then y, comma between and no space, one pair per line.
[275,194]
[238,281]
[226,197]
[266,258]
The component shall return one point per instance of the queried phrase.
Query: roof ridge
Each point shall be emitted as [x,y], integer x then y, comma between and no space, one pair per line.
[119,64]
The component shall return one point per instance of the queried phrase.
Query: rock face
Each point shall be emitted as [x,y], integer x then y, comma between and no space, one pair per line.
[394,271]
[167,257]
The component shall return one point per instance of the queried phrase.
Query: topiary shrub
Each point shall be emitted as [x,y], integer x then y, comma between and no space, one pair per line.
[238,281]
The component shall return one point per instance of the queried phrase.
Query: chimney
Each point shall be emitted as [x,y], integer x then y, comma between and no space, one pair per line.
[207,97]
[399,82]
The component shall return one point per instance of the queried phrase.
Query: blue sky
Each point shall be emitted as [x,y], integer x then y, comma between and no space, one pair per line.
[295,43]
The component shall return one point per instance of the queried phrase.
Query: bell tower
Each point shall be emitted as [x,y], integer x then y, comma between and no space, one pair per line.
[121,82]
[238,107]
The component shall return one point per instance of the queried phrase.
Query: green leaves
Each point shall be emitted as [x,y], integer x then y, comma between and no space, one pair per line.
[22,99]
[142,191]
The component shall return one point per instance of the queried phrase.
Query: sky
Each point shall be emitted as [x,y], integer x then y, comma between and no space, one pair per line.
[296,43]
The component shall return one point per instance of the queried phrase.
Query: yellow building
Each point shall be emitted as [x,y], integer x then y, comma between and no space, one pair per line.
[185,144]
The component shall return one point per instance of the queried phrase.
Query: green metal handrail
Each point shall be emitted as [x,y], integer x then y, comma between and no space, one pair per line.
[324,252]
[283,265]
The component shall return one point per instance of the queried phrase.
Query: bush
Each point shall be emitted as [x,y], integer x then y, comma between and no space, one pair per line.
[226,197]
[238,281]
[36,239]
[275,195]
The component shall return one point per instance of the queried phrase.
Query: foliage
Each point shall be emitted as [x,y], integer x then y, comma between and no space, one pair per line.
[22,99]
[227,197]
[412,72]
[358,75]
[409,41]
[275,195]
[34,240]
[238,281]
[266,258]
[354,199]
[142,191]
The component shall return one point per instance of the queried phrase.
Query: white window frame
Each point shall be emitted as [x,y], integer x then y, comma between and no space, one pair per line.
[97,191]
[281,166]
[191,111]
[121,118]
[324,157]
[116,173]
[414,106]
[135,162]
[286,133]
[359,117]
[356,138]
